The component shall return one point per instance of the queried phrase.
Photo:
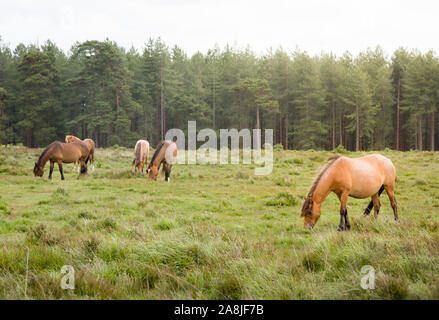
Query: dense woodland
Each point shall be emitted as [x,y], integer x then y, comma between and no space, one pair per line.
[116,96]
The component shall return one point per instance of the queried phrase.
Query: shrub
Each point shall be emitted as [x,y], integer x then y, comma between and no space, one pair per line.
[4,207]
[390,287]
[312,261]
[91,245]
[340,149]
[282,199]
[164,225]
[107,224]
[228,288]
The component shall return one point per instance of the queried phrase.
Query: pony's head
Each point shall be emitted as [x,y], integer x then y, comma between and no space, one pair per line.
[153,172]
[70,139]
[38,171]
[310,212]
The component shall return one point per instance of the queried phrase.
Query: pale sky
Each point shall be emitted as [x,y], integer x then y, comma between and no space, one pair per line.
[197,25]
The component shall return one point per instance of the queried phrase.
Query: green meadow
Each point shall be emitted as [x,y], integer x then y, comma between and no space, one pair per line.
[214,232]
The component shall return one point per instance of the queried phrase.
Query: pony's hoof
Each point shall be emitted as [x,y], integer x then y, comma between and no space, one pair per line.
[348,227]
[340,228]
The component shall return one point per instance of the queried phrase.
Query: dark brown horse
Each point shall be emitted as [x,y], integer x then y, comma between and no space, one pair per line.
[166,153]
[359,178]
[62,153]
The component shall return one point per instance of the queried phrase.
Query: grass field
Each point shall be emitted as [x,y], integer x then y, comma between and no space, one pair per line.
[214,232]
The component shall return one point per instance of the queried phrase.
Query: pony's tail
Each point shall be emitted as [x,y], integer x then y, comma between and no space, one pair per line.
[138,150]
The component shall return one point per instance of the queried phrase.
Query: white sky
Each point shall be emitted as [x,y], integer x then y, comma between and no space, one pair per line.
[197,25]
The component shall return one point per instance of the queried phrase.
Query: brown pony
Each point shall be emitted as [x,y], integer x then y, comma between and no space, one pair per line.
[359,178]
[166,153]
[91,146]
[141,151]
[62,153]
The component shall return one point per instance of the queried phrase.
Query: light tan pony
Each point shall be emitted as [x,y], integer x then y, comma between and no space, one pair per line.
[166,153]
[359,178]
[141,151]
[60,153]
[91,146]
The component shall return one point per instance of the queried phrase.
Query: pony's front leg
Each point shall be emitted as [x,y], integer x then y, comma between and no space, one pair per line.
[344,221]
[51,169]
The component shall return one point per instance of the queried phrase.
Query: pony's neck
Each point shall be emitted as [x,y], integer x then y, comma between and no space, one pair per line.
[43,159]
[322,189]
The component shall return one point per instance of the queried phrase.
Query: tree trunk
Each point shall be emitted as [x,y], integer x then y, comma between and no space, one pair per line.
[419,133]
[279,131]
[214,92]
[162,106]
[258,136]
[145,123]
[357,133]
[117,103]
[432,132]
[398,115]
[286,111]
[333,126]
[341,130]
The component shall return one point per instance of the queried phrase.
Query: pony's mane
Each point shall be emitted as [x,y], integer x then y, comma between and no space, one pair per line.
[330,162]
[156,153]
[45,151]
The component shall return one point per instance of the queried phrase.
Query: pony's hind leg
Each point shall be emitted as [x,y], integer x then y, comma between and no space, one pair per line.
[83,165]
[92,162]
[61,170]
[391,195]
[167,169]
[370,205]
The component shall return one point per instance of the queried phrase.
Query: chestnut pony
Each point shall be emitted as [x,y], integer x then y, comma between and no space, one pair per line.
[359,178]
[141,151]
[166,153]
[60,153]
[91,147]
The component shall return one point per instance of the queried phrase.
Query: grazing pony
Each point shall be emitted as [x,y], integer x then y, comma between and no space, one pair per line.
[359,178]
[166,153]
[91,146]
[60,153]
[141,151]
